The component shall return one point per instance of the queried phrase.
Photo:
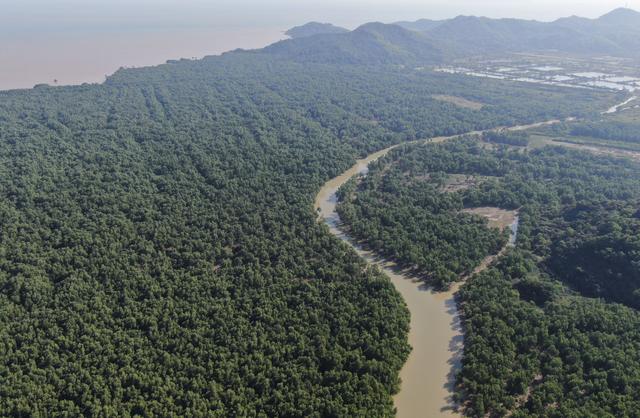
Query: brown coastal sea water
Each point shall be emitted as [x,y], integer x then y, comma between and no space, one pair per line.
[87,57]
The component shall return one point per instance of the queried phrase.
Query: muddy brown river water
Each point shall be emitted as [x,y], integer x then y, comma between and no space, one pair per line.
[435,335]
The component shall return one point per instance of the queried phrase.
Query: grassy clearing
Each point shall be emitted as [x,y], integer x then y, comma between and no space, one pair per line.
[459,101]
[458,182]
[498,218]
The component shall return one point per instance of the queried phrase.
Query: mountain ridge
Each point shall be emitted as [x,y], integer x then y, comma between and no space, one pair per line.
[314,28]
[371,43]
[428,42]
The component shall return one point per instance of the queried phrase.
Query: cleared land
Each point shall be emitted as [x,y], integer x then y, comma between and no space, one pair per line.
[459,101]
[458,182]
[498,218]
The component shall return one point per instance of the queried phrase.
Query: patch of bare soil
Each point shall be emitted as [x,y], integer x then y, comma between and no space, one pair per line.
[498,218]
[459,101]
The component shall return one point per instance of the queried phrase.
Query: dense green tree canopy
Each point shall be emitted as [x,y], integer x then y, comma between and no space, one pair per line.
[536,344]
[159,254]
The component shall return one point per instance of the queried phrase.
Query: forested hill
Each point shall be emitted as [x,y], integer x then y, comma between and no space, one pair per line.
[616,33]
[431,42]
[314,28]
[159,254]
[373,43]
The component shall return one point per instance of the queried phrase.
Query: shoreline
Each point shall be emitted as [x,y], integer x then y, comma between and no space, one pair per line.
[76,57]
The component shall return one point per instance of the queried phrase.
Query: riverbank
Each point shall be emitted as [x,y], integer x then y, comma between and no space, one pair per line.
[435,334]
[436,338]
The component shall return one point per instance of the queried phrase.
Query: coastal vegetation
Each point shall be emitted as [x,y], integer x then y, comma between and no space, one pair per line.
[159,254]
[551,329]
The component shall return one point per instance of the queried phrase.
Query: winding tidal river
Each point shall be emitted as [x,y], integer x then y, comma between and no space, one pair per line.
[435,335]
